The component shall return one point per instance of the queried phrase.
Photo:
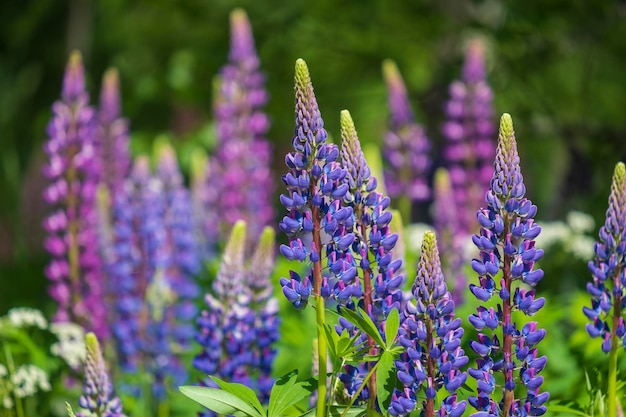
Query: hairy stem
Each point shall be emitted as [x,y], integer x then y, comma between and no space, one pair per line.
[319,314]
[612,389]
[507,346]
[430,402]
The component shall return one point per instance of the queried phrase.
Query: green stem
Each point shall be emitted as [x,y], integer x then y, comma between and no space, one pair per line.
[356,394]
[322,356]
[337,365]
[18,401]
[612,394]
[163,409]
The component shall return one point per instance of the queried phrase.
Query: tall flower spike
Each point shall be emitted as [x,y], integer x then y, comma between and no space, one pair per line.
[243,156]
[113,132]
[506,243]
[608,285]
[98,398]
[470,149]
[406,146]
[432,338]
[239,328]
[315,191]
[450,243]
[73,172]
[372,249]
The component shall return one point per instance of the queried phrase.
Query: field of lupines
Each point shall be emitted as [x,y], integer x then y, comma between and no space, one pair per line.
[174,298]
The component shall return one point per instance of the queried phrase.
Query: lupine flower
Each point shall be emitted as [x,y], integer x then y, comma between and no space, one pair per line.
[239,328]
[450,243]
[470,149]
[113,133]
[98,397]
[148,333]
[315,191]
[609,281]
[242,161]
[506,242]
[73,171]
[372,246]
[432,338]
[406,145]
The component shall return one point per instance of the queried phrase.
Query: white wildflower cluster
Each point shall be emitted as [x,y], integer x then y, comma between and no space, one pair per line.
[27,317]
[572,235]
[28,380]
[71,345]
[5,392]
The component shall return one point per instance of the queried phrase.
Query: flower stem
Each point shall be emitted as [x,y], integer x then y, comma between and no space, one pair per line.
[612,388]
[322,356]
[18,401]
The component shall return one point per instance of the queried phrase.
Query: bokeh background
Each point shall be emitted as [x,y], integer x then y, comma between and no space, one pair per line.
[559,68]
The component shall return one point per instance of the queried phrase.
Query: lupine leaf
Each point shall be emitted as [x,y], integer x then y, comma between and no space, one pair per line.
[385,379]
[241,391]
[220,401]
[287,392]
[391,327]
[365,323]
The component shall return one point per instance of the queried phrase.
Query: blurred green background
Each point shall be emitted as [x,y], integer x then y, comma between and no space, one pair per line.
[558,68]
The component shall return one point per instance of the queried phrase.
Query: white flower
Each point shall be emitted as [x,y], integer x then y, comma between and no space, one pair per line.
[580,222]
[7,402]
[24,317]
[3,371]
[28,379]
[71,345]
[552,233]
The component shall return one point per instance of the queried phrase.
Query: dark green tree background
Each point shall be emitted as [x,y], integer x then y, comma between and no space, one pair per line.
[557,66]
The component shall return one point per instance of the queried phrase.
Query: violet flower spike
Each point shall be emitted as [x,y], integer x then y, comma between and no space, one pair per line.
[73,171]
[470,149]
[432,338]
[450,244]
[98,397]
[506,243]
[243,156]
[370,252]
[315,191]
[406,146]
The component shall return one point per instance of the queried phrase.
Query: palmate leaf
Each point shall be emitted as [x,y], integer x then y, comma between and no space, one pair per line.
[391,327]
[343,346]
[243,392]
[220,401]
[287,392]
[386,378]
[365,323]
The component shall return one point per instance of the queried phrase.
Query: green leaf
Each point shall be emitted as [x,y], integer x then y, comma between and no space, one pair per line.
[365,323]
[220,401]
[386,378]
[566,409]
[337,410]
[391,327]
[287,392]
[241,391]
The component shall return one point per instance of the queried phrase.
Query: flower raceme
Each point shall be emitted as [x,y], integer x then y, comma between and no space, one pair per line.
[432,338]
[506,243]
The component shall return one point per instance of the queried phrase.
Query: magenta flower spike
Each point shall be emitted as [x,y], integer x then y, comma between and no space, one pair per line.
[469,130]
[73,171]
[113,133]
[241,165]
[406,147]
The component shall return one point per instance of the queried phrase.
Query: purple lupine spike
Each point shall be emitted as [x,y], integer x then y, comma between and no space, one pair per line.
[113,133]
[406,145]
[315,190]
[607,288]
[73,171]
[506,243]
[98,397]
[148,335]
[373,243]
[470,149]
[239,328]
[451,245]
[432,338]
[243,155]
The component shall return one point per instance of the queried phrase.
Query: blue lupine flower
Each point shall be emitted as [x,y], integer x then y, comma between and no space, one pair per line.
[432,338]
[315,189]
[506,242]
[608,298]
[98,395]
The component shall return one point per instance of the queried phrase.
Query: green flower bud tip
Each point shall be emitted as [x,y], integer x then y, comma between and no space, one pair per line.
[198,164]
[111,78]
[76,59]
[442,180]
[391,73]
[162,147]
[429,245]
[507,135]
[238,17]
[267,239]
[302,77]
